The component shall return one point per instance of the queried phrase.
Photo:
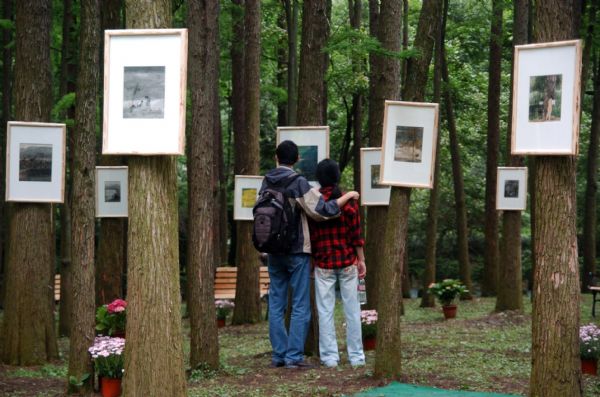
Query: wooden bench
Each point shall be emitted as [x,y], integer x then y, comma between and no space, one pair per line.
[595,290]
[226,280]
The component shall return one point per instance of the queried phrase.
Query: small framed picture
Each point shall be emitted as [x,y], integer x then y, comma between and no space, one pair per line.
[546,98]
[245,195]
[35,162]
[111,192]
[313,146]
[511,189]
[371,191]
[409,137]
[144,91]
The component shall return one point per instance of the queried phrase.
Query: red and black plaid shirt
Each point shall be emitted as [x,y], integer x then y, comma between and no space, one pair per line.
[334,242]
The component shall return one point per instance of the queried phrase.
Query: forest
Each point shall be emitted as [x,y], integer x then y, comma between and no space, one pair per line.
[254,66]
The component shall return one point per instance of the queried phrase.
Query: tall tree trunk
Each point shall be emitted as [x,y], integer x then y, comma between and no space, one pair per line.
[384,83]
[28,331]
[203,24]
[427,299]
[84,158]
[491,251]
[591,189]
[459,185]
[281,72]
[247,290]
[510,289]
[154,310]
[555,318]
[388,353]
[7,60]
[291,16]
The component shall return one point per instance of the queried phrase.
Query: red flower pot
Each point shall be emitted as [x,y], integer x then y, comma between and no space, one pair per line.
[220,322]
[449,311]
[589,366]
[110,387]
[369,342]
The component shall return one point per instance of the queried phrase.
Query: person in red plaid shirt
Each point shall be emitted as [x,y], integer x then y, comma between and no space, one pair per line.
[337,252]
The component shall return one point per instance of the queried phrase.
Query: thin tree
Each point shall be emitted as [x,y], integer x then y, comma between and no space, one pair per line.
[83,214]
[388,353]
[510,290]
[28,332]
[203,25]
[247,290]
[291,18]
[384,83]
[154,311]
[491,251]
[355,11]
[555,318]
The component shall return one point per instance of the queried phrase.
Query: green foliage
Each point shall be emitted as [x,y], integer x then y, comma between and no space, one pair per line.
[60,108]
[109,323]
[447,290]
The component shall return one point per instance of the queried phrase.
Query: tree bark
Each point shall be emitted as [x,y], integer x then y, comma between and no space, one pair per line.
[203,25]
[384,83]
[388,352]
[84,158]
[510,288]
[491,251]
[555,318]
[247,291]
[154,311]
[28,331]
[427,299]
[459,186]
[291,16]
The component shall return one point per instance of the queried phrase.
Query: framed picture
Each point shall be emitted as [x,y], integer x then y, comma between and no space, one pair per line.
[546,98]
[35,162]
[511,189]
[371,191]
[111,192]
[244,196]
[313,146]
[409,137]
[144,91]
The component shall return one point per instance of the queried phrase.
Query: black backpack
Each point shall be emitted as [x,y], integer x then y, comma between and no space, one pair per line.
[275,227]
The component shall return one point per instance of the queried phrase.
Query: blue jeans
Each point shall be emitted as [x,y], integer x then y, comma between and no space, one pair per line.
[325,293]
[289,271]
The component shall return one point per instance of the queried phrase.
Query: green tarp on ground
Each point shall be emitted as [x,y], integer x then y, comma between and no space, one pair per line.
[402,390]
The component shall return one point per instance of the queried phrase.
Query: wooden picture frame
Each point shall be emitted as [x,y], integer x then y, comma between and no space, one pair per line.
[409,144]
[313,141]
[145,77]
[244,196]
[112,191]
[546,98]
[35,162]
[511,189]
[370,169]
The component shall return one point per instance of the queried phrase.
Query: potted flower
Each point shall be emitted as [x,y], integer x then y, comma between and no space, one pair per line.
[107,354]
[223,306]
[446,291]
[589,348]
[110,319]
[368,326]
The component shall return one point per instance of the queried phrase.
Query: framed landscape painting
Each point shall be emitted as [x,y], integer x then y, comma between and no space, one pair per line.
[144,91]
[409,137]
[511,188]
[371,191]
[111,192]
[313,146]
[35,162]
[546,98]
[244,196]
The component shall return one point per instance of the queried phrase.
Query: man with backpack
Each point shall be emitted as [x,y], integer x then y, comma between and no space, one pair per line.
[281,230]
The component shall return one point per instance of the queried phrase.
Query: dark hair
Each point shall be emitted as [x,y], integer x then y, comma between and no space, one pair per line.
[328,174]
[287,153]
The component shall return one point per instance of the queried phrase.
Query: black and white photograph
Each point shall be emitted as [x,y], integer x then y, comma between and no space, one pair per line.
[511,188]
[307,161]
[112,191]
[245,192]
[545,98]
[144,92]
[409,144]
[313,146]
[372,193]
[35,162]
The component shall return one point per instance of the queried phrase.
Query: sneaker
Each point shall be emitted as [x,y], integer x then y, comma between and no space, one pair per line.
[299,365]
[330,364]
[357,364]
[276,364]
